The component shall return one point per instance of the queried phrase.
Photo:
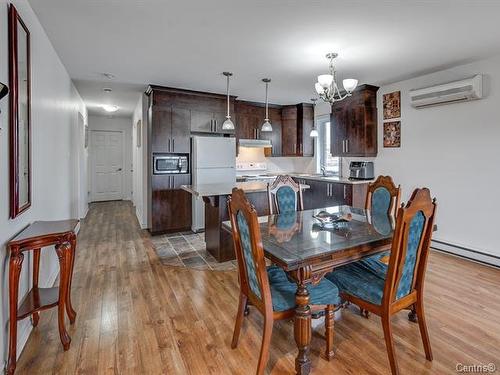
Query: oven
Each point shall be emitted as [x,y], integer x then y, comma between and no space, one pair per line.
[170,163]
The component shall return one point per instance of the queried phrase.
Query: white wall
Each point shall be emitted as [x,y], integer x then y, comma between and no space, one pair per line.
[139,166]
[54,108]
[122,124]
[455,151]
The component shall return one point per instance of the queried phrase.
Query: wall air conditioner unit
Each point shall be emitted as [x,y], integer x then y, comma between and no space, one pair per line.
[452,92]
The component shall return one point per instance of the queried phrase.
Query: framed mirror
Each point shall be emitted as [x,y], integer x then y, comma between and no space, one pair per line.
[20,114]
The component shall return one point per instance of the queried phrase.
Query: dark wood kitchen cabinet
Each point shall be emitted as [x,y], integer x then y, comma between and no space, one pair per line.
[248,124]
[324,194]
[171,206]
[354,124]
[297,122]
[207,122]
[169,130]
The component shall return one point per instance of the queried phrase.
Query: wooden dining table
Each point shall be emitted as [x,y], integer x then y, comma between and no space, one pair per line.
[307,249]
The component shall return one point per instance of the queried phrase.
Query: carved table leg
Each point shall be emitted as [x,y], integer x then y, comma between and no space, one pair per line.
[63,252]
[15,264]
[36,272]
[69,307]
[330,332]
[302,330]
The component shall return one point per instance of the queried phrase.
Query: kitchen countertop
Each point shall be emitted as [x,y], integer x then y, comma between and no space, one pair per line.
[206,190]
[333,179]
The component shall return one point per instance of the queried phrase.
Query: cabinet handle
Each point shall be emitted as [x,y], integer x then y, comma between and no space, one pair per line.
[173,145]
[346,146]
[343,146]
[215,125]
[168,148]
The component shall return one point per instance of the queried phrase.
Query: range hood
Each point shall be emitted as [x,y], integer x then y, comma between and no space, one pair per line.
[255,143]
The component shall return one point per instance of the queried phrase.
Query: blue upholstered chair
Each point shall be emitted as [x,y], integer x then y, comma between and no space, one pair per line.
[382,200]
[268,289]
[284,195]
[385,289]
[383,196]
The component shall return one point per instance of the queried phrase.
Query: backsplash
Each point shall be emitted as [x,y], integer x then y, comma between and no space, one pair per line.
[276,164]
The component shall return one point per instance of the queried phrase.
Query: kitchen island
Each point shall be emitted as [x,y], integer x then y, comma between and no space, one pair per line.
[219,242]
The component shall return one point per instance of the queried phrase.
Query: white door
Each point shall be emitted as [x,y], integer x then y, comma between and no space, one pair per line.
[107,165]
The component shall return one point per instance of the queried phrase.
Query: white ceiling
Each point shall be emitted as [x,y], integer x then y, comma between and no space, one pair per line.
[189,43]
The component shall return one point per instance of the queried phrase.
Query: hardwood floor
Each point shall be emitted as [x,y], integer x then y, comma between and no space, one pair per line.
[137,316]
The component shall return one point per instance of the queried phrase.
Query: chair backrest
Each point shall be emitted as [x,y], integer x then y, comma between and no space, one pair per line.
[383,196]
[410,246]
[284,195]
[254,282]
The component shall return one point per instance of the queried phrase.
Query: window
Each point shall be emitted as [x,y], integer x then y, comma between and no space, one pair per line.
[326,160]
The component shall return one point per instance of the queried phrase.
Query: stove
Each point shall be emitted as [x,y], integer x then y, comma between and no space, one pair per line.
[253,171]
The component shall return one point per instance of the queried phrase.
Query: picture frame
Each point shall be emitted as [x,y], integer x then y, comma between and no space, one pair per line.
[392,134]
[86,137]
[392,105]
[138,134]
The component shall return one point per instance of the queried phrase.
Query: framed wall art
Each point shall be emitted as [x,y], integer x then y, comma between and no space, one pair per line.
[392,134]
[392,105]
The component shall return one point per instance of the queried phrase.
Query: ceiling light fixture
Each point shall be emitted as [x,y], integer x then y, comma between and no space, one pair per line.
[109,75]
[314,131]
[266,126]
[228,124]
[110,107]
[327,87]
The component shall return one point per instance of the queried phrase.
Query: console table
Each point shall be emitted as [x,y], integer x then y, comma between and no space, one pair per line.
[36,236]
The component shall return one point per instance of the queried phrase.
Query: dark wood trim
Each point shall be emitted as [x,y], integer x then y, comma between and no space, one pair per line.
[14,18]
[259,104]
[177,90]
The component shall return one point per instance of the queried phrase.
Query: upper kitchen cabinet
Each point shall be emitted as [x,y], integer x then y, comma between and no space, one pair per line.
[169,127]
[249,119]
[354,124]
[297,122]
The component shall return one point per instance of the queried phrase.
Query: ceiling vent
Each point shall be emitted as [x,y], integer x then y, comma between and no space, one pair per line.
[452,92]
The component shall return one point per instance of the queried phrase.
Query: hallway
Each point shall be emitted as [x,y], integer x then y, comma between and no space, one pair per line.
[138,316]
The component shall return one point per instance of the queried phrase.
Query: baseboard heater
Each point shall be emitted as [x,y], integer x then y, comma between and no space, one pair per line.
[464,252]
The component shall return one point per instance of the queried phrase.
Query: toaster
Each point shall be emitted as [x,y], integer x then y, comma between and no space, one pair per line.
[361,170]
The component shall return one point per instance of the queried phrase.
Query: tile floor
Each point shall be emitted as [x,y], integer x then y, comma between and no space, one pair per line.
[187,250]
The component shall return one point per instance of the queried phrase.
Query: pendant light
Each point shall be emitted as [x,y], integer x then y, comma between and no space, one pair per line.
[266,126]
[314,131]
[228,124]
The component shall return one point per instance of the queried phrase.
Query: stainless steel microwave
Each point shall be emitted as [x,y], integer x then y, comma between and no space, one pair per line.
[170,163]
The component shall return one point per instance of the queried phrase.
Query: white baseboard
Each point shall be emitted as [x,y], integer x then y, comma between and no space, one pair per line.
[464,252]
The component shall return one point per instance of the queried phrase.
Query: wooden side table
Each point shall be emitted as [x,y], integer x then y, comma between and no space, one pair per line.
[33,238]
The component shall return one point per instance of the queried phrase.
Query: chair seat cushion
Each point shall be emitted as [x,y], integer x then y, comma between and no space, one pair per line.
[283,291]
[359,281]
[376,264]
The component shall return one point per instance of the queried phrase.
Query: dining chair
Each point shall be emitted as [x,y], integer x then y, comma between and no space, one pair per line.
[383,196]
[382,200]
[400,285]
[284,195]
[268,289]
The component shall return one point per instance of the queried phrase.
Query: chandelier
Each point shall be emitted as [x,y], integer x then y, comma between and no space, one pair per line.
[327,87]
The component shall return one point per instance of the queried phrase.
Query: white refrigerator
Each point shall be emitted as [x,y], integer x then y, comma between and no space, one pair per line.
[214,162]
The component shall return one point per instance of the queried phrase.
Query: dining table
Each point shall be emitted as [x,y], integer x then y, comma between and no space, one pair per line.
[311,243]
